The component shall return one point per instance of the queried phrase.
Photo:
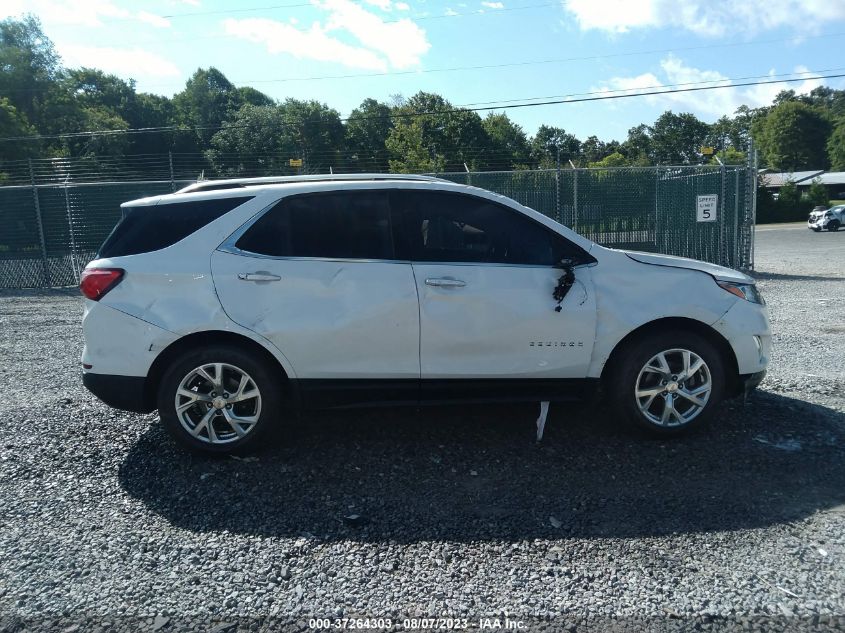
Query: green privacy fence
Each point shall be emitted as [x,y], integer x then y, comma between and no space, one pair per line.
[52,225]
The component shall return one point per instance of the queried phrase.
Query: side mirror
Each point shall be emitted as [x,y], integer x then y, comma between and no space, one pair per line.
[565,263]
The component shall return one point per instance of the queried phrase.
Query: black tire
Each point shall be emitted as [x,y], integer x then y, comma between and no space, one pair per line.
[632,359]
[258,372]
[833,226]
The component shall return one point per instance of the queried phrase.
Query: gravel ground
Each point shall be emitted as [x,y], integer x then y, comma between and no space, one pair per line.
[107,525]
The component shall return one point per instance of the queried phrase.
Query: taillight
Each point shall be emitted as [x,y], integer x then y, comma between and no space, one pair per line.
[96,282]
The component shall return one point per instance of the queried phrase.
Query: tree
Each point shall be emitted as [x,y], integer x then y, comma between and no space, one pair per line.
[817,193]
[550,140]
[367,130]
[30,66]
[13,124]
[207,101]
[729,156]
[836,148]
[593,150]
[247,94]
[611,160]
[676,139]
[793,136]
[508,143]
[430,134]
[273,134]
[637,148]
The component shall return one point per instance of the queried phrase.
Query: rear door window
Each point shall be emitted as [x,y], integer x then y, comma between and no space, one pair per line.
[336,225]
[147,229]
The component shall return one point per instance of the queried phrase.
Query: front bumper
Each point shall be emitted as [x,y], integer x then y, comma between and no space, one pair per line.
[121,392]
[816,226]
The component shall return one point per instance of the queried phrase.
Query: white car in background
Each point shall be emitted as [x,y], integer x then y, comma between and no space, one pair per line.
[826,219]
[230,303]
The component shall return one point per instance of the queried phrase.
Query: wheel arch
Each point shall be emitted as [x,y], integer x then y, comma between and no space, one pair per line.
[201,339]
[732,384]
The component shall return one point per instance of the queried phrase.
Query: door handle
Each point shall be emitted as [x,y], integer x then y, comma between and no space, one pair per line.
[445,282]
[259,276]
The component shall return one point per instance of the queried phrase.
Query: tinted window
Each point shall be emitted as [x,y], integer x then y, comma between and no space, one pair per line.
[448,227]
[344,225]
[146,229]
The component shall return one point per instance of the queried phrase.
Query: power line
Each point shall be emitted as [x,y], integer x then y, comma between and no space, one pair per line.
[580,98]
[248,82]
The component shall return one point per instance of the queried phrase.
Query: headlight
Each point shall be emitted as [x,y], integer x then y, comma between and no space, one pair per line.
[748,292]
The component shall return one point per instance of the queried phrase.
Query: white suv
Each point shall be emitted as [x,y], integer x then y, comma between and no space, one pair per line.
[826,219]
[230,303]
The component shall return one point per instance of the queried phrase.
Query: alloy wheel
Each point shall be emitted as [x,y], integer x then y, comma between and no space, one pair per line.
[673,387]
[218,403]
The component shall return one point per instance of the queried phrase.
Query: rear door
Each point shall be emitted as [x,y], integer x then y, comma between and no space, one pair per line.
[317,276]
[486,275]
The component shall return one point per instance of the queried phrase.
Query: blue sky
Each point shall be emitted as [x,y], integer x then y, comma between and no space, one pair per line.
[403,45]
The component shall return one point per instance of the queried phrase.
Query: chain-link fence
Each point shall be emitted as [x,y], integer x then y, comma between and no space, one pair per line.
[643,208]
[55,213]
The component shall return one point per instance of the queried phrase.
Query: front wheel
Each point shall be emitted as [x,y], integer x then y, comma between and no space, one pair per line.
[833,226]
[219,399]
[669,383]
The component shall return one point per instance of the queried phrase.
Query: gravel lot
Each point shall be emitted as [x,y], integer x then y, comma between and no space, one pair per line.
[107,525]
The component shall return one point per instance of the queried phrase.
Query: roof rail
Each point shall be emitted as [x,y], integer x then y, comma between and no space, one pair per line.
[235,183]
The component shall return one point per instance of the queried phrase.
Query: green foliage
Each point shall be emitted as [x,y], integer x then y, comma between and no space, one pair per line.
[13,123]
[367,130]
[676,139]
[30,66]
[507,141]
[729,156]
[836,148]
[817,193]
[276,133]
[439,138]
[613,160]
[550,140]
[208,100]
[792,136]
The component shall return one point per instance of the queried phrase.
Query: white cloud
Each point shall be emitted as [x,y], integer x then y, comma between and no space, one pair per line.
[704,17]
[193,3]
[313,43]
[402,6]
[78,12]
[493,5]
[384,5]
[380,44]
[134,63]
[451,12]
[709,103]
[402,42]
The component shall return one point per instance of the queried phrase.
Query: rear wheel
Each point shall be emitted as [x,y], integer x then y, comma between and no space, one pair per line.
[219,399]
[668,383]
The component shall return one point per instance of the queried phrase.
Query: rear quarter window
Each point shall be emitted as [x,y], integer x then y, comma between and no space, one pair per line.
[148,229]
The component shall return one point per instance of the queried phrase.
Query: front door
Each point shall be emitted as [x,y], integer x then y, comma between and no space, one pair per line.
[486,275]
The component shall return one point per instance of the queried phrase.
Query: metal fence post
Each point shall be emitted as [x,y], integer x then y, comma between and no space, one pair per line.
[752,155]
[558,210]
[722,213]
[41,239]
[73,264]
[170,160]
[575,200]
[735,262]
